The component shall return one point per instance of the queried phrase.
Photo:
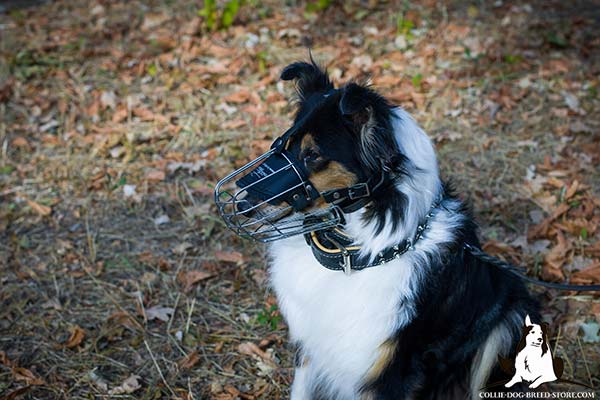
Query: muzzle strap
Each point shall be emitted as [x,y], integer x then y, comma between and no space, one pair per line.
[354,197]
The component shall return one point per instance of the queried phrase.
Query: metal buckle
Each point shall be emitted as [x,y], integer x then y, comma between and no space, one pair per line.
[362,188]
[347,265]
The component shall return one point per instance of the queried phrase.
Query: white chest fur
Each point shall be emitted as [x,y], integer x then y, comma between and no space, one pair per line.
[340,321]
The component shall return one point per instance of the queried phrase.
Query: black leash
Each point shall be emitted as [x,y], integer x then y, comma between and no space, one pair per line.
[519,271]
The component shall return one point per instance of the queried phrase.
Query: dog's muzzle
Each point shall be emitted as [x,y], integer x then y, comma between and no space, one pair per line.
[267,198]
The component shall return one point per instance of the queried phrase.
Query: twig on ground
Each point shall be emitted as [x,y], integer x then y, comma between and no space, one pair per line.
[587,368]
[162,377]
[189,318]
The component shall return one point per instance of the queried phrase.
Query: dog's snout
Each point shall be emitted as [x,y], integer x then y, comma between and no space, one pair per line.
[245,207]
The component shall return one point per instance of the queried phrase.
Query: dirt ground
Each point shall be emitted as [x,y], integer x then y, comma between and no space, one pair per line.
[117,278]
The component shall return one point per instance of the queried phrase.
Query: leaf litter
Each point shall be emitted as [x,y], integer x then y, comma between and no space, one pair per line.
[116,120]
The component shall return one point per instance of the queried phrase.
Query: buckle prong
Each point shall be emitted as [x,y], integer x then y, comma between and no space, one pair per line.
[347,265]
[346,256]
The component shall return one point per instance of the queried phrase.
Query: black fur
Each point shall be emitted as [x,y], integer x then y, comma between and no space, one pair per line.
[337,126]
[544,338]
[462,299]
[460,303]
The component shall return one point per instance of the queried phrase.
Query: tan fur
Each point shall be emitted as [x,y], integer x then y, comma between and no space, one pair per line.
[386,352]
[333,177]
[307,141]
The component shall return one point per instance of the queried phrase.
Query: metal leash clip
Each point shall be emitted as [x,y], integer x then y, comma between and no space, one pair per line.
[347,264]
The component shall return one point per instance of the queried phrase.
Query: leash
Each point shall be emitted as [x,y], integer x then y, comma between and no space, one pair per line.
[519,271]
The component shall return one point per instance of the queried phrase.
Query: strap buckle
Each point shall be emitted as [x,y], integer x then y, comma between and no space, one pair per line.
[347,264]
[346,256]
[358,191]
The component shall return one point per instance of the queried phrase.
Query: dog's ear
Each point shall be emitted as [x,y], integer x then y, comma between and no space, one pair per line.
[528,321]
[370,116]
[309,78]
[355,103]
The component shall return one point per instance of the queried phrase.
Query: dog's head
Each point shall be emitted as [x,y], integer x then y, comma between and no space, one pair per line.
[343,136]
[346,149]
[534,335]
[349,137]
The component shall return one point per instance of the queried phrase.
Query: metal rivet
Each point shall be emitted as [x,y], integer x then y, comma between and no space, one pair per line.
[336,195]
[296,196]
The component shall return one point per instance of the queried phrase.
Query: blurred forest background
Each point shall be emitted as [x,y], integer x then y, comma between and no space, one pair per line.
[117,117]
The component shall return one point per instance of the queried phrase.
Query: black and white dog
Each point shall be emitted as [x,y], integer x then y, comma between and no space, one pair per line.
[416,316]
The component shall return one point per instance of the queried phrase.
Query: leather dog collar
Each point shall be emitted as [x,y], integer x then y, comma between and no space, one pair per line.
[334,249]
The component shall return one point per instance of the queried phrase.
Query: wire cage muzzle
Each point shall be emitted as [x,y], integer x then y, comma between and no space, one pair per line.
[267,200]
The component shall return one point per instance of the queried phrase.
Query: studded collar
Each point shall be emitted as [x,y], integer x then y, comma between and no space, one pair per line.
[334,249]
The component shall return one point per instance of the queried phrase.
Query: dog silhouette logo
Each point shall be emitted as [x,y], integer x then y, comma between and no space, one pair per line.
[534,363]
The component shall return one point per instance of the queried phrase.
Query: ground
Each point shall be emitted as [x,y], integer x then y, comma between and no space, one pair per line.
[117,277]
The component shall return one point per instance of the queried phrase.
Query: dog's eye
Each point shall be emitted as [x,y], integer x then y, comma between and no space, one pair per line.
[310,156]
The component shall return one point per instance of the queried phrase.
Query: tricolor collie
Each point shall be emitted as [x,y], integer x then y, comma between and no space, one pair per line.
[367,253]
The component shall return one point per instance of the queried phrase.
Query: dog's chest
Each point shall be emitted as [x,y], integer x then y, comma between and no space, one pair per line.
[338,320]
[532,363]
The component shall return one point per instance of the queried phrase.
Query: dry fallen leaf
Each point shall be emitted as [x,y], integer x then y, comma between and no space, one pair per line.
[496,248]
[229,256]
[161,313]
[190,360]
[146,115]
[238,97]
[252,349]
[590,275]
[189,278]
[235,124]
[4,360]
[20,141]
[155,176]
[77,336]
[24,375]
[16,394]
[128,386]
[259,147]
[39,208]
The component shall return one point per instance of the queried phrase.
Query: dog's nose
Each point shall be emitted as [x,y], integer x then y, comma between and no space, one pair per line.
[245,207]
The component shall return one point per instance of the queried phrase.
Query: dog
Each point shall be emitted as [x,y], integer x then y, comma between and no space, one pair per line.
[388,303]
[534,362]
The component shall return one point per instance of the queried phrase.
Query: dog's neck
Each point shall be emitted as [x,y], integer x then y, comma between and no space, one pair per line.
[396,216]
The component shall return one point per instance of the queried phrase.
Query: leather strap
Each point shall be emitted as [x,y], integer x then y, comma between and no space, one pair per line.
[334,249]
[354,197]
